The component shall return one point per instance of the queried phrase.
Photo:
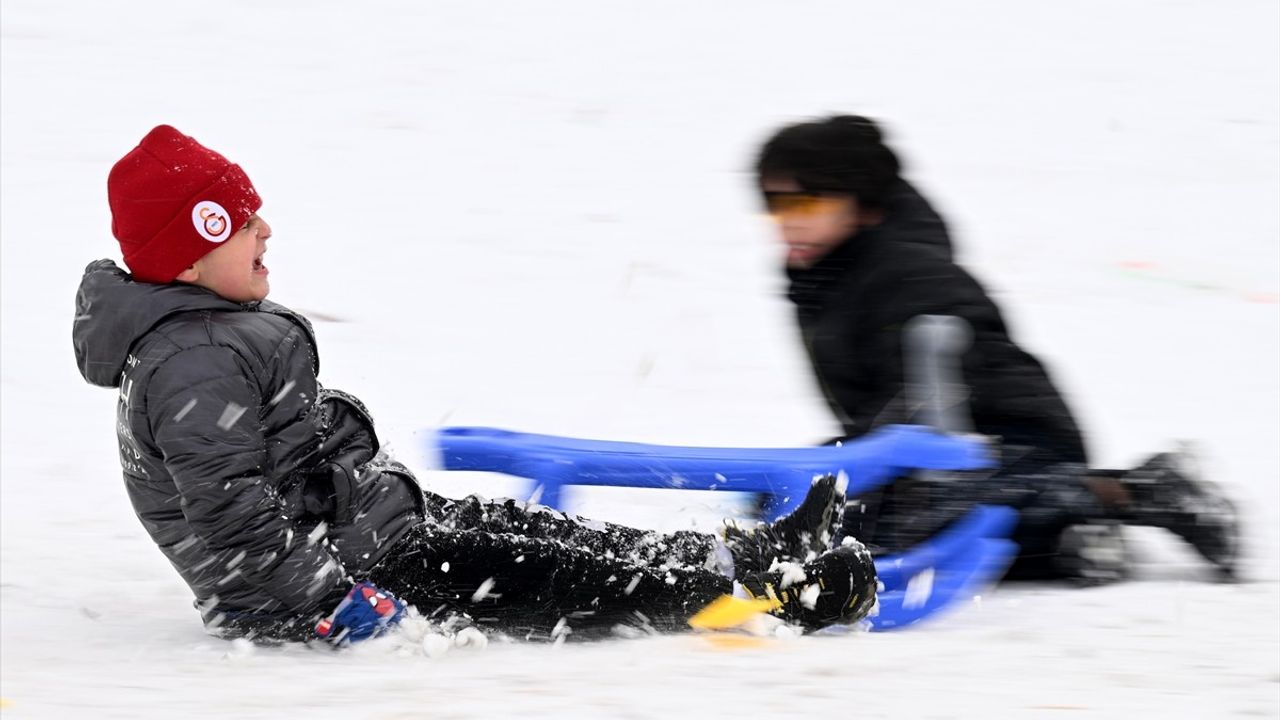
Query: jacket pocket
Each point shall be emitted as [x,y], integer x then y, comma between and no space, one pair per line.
[309,494]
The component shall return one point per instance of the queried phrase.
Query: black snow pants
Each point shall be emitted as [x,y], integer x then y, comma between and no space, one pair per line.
[535,573]
[1049,494]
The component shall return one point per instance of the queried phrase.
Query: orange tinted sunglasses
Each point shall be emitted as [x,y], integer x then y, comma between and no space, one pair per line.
[798,203]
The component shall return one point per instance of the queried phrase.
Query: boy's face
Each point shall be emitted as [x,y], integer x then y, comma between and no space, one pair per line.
[812,225]
[234,270]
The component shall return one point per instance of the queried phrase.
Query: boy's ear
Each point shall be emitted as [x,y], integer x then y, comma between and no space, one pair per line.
[189,275]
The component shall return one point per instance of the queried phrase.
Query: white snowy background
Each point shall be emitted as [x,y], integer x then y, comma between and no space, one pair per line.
[537,216]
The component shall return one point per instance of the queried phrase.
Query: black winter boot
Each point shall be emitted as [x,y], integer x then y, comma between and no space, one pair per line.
[1167,491]
[798,536]
[839,586]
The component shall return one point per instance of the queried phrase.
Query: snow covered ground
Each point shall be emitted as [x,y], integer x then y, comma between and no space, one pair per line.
[536,216]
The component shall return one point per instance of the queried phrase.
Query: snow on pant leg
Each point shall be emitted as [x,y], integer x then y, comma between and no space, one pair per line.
[538,521]
[525,586]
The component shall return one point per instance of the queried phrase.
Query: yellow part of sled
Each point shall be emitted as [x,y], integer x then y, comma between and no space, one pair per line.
[728,611]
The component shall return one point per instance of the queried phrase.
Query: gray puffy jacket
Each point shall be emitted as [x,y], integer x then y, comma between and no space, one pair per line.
[267,492]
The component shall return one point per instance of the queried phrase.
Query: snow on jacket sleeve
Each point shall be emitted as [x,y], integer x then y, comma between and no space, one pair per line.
[204,406]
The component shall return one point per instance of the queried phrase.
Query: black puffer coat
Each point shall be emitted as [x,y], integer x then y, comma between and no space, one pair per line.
[852,307]
[267,492]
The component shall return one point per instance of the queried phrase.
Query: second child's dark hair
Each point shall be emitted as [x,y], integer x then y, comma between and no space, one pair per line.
[842,154]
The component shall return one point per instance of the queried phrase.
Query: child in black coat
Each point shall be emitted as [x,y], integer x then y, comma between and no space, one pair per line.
[867,257]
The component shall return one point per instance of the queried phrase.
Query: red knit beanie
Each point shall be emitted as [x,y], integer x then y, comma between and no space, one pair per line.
[173,201]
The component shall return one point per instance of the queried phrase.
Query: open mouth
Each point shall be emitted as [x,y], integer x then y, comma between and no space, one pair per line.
[257,264]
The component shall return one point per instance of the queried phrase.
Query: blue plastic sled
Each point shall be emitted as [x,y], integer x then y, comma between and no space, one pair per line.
[782,475]
[950,568]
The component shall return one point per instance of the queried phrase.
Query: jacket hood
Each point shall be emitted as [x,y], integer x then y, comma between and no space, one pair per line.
[113,311]
[910,218]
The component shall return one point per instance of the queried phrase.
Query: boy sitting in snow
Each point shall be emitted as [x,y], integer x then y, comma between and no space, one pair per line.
[269,493]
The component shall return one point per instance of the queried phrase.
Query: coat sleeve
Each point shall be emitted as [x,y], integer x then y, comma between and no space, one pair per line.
[204,407]
[922,291]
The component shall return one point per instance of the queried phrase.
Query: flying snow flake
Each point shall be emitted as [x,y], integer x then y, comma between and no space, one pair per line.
[631,586]
[205,564]
[519,558]
[328,567]
[482,592]
[315,535]
[230,415]
[444,566]
[239,558]
[185,409]
[229,577]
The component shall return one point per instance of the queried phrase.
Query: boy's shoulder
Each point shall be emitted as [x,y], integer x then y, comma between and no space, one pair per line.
[122,325]
[262,332]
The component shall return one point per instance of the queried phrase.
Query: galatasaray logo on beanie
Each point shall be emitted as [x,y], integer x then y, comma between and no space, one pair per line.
[173,201]
[210,220]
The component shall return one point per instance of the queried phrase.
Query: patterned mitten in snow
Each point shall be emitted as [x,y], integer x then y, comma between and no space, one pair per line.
[365,612]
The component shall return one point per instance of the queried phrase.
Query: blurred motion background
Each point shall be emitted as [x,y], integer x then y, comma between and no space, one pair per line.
[539,216]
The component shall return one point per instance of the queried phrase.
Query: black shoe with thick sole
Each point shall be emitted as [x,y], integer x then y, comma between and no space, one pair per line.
[837,587]
[1167,491]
